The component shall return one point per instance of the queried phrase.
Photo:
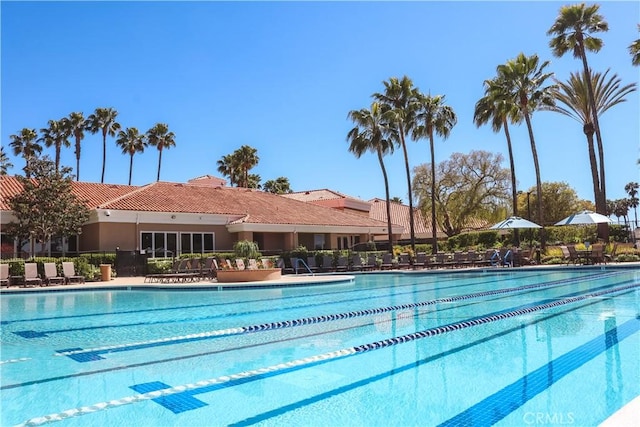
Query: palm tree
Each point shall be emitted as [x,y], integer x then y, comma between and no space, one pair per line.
[103,119]
[522,81]
[373,133]
[280,185]
[76,125]
[160,137]
[131,141]
[433,117]
[398,103]
[634,50]
[574,95]
[25,143]
[228,167]
[246,158]
[572,30]
[495,108]
[5,164]
[632,190]
[55,135]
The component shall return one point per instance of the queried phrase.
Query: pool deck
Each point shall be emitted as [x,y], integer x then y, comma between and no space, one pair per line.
[627,416]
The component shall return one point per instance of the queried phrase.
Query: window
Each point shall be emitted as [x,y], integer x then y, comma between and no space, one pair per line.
[318,241]
[197,243]
[165,244]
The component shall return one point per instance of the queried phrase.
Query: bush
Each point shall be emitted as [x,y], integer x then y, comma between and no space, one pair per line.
[246,249]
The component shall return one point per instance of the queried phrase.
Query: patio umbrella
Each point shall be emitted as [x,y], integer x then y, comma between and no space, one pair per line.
[584,218]
[514,222]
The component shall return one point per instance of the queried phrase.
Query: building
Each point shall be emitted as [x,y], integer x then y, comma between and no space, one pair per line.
[165,219]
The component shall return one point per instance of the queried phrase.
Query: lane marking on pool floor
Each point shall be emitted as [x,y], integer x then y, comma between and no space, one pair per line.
[92,354]
[284,367]
[21,359]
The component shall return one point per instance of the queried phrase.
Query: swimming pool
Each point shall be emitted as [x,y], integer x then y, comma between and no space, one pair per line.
[505,347]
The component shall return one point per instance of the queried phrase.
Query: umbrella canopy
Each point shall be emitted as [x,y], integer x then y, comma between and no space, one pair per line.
[513,223]
[584,218]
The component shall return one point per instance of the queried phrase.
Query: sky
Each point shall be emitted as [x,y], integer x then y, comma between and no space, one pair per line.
[282,76]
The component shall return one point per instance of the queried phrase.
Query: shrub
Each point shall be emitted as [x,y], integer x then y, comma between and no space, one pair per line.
[246,249]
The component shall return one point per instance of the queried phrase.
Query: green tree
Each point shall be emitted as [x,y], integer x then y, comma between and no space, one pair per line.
[227,167]
[632,190]
[131,141]
[396,199]
[76,124]
[558,198]
[398,103]
[46,206]
[55,135]
[253,181]
[372,133]
[278,186]
[433,117]
[104,120]
[634,50]
[523,84]
[5,164]
[246,158]
[572,31]
[495,108]
[160,137]
[470,187]
[25,143]
[574,102]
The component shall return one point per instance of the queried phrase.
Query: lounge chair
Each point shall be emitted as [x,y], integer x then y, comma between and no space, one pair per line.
[51,275]
[253,264]
[31,277]
[495,259]
[343,264]
[311,263]
[240,264]
[612,256]
[421,260]
[4,275]
[372,263]
[327,263]
[69,273]
[404,261]
[266,263]
[209,268]
[597,254]
[387,262]
[356,263]
[507,259]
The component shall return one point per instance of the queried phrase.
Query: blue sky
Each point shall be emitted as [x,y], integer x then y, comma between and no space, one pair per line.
[282,76]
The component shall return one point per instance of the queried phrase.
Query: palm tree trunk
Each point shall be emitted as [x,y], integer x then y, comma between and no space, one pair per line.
[130,166]
[433,196]
[57,157]
[104,153]
[388,200]
[406,165]
[534,152]
[588,131]
[77,159]
[159,162]
[514,190]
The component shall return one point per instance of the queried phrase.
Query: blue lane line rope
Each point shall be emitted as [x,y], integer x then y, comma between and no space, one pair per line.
[303,321]
[300,363]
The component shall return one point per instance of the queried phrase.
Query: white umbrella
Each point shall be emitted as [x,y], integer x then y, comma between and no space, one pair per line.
[513,223]
[584,218]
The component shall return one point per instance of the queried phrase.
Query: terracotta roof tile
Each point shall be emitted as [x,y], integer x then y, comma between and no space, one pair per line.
[400,216]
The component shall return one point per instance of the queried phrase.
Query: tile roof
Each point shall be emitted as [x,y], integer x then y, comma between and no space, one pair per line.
[400,216]
[253,206]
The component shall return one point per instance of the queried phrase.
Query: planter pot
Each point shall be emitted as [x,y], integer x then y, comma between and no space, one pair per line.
[227,276]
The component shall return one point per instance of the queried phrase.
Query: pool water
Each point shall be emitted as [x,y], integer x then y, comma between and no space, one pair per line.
[502,347]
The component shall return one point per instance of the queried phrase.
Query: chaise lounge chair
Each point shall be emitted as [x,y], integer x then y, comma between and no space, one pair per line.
[51,275]
[69,273]
[31,277]
[4,275]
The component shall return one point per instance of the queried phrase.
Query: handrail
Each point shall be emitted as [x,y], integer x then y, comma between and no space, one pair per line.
[300,260]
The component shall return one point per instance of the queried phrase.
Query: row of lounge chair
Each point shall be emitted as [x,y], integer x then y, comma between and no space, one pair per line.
[594,255]
[193,269]
[491,257]
[31,278]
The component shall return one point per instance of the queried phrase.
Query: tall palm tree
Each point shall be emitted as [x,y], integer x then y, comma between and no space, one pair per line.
[131,141]
[373,133]
[398,103]
[433,117]
[495,108]
[76,125]
[574,96]
[160,137]
[522,81]
[57,136]
[25,143]
[246,158]
[573,31]
[103,119]
[5,164]
[634,50]
[227,167]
